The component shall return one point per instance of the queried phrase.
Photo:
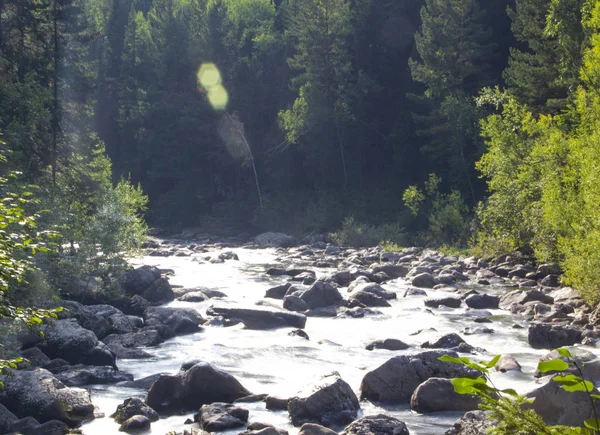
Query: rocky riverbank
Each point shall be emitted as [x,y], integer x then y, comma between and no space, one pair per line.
[315,281]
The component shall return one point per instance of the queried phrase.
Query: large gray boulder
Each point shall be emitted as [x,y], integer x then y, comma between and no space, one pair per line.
[7,419]
[472,423]
[276,240]
[437,394]
[146,281]
[515,299]
[392,270]
[333,402]
[482,301]
[321,294]
[548,336]
[38,394]
[218,417]
[377,425]
[135,424]
[425,280]
[180,320]
[396,380]
[133,406]
[199,385]
[260,318]
[80,375]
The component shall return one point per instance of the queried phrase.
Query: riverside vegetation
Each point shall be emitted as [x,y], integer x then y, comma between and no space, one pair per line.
[462,124]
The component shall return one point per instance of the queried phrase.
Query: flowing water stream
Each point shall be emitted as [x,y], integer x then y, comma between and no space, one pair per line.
[273,362]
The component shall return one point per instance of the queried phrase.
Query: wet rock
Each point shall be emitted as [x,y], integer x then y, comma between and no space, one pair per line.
[294,303]
[121,324]
[135,424]
[449,301]
[521,297]
[369,299]
[557,406]
[7,419]
[392,270]
[342,278]
[299,333]
[321,294]
[25,426]
[388,344]
[131,407]
[374,289]
[201,384]
[482,301]
[132,306]
[80,375]
[147,282]
[415,292]
[125,345]
[315,429]
[197,296]
[507,363]
[277,240]
[252,398]
[472,423]
[376,424]
[447,341]
[396,380]
[142,383]
[37,393]
[278,292]
[437,394]
[180,320]
[547,336]
[261,319]
[332,403]
[267,430]
[425,280]
[218,417]
[276,403]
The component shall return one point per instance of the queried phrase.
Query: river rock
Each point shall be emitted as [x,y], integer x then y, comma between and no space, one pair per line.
[482,301]
[261,318]
[437,394]
[377,425]
[343,278]
[557,406]
[218,417]
[263,429]
[35,357]
[133,406]
[568,296]
[507,363]
[472,423]
[125,345]
[332,403]
[80,375]
[278,292]
[197,296]
[147,282]
[37,393]
[121,324]
[277,240]
[387,344]
[143,383]
[521,297]
[321,294]
[7,419]
[132,306]
[397,379]
[547,336]
[449,301]
[368,299]
[392,270]
[375,289]
[180,320]
[95,323]
[294,303]
[199,385]
[276,403]
[137,423]
[425,280]
[447,341]
[315,429]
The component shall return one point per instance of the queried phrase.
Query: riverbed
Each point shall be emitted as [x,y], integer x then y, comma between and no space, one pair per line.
[275,363]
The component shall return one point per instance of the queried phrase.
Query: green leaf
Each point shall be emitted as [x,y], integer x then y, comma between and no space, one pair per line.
[453,360]
[493,362]
[572,383]
[592,423]
[557,365]
[595,396]
[468,385]
[510,392]
[563,351]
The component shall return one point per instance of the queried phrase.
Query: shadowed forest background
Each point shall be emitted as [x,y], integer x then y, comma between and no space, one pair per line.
[427,121]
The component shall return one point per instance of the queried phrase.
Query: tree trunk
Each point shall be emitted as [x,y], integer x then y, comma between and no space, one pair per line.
[55,119]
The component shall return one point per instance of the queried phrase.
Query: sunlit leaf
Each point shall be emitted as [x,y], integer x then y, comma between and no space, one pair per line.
[563,351]
[592,423]
[493,362]
[556,365]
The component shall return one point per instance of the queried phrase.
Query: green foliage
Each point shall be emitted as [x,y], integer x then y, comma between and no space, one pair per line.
[510,411]
[446,214]
[358,234]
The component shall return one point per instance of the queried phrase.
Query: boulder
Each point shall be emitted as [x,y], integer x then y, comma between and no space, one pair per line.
[197,296]
[547,336]
[124,346]
[218,417]
[387,344]
[277,240]
[472,423]
[507,363]
[143,383]
[7,419]
[447,341]
[315,429]
[132,306]
[35,357]
[121,324]
[95,323]
[133,406]
[80,375]
[276,403]
[159,292]
[294,303]
[135,282]
[557,406]
[449,301]
[333,402]
[437,394]
[137,423]
[38,394]
[377,425]
[521,297]
[369,299]
[392,270]
[261,318]
[342,278]
[425,280]
[568,296]
[321,294]
[278,292]
[180,320]
[199,385]
[397,379]
[551,281]
[482,301]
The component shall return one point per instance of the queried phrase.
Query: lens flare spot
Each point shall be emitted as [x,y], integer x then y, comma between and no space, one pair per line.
[218,97]
[209,75]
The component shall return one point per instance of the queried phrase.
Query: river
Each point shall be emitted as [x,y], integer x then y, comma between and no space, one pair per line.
[273,362]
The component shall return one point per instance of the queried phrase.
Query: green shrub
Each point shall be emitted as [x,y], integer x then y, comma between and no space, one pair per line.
[358,234]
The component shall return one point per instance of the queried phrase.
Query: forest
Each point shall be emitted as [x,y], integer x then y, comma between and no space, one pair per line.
[456,123]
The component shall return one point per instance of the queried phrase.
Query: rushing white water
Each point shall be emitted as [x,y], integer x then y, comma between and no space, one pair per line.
[273,362]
